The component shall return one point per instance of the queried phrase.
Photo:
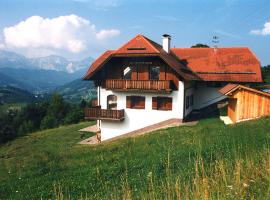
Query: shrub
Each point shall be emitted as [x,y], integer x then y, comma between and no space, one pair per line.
[6,133]
[57,107]
[26,127]
[48,122]
[74,116]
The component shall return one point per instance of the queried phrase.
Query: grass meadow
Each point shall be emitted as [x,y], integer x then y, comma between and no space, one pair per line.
[205,161]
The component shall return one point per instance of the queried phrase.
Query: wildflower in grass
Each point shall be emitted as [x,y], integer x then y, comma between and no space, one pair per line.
[149,175]
[245,185]
[230,187]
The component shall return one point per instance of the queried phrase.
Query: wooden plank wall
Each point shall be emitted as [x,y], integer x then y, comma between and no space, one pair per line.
[171,75]
[251,105]
[232,109]
[114,70]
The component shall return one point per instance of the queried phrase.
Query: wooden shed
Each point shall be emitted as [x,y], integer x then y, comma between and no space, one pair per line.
[246,103]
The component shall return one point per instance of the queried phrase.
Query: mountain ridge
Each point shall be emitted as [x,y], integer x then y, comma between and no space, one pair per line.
[39,75]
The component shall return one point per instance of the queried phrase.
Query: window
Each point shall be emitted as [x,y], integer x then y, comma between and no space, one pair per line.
[112,102]
[191,100]
[135,102]
[127,73]
[161,103]
[187,102]
[154,73]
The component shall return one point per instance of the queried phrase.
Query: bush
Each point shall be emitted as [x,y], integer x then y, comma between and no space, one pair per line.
[48,122]
[75,116]
[6,133]
[57,107]
[26,127]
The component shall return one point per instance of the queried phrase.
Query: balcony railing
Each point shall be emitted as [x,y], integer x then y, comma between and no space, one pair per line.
[104,114]
[147,85]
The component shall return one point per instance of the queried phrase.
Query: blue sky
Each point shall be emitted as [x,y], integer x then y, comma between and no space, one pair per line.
[103,24]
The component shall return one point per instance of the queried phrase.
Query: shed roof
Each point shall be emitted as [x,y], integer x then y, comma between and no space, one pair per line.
[230,88]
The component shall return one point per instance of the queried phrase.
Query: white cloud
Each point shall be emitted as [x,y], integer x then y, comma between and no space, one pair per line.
[2,46]
[104,34]
[264,31]
[71,68]
[69,33]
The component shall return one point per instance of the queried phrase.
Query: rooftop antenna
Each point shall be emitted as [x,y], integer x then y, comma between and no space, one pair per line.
[215,41]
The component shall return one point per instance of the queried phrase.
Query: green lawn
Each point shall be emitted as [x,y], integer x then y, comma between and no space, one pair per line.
[206,161]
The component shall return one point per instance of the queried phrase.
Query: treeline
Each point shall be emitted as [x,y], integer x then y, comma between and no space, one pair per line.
[39,116]
[266,74]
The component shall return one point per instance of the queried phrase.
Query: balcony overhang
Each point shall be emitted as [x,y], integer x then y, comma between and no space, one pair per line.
[104,114]
[139,85]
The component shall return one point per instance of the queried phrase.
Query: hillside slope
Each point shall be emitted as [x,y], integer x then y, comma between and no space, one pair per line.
[77,90]
[10,94]
[205,161]
[5,80]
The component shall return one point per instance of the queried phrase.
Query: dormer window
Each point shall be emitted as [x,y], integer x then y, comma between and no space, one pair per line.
[127,73]
[154,73]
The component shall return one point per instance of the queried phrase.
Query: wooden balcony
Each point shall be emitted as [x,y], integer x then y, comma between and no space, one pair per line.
[104,114]
[139,85]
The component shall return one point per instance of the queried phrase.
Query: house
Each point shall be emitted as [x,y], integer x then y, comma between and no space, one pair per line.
[143,83]
[246,103]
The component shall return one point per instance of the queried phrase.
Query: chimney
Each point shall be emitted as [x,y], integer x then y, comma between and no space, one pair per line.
[166,43]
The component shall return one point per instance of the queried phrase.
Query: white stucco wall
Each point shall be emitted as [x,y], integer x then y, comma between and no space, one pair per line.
[205,95]
[139,118]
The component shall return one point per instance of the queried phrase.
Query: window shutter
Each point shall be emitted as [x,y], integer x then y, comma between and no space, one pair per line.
[128,102]
[169,104]
[134,73]
[142,102]
[154,103]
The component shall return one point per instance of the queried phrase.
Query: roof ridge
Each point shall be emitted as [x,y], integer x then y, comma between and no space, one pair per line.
[209,48]
[150,43]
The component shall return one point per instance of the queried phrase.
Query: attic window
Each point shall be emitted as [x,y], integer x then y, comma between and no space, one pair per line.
[136,48]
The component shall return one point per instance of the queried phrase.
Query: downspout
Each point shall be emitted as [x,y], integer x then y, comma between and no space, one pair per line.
[98,121]
[184,108]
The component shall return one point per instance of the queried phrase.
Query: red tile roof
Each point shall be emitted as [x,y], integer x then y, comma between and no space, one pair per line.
[138,44]
[208,64]
[229,88]
[141,45]
[98,62]
[221,64]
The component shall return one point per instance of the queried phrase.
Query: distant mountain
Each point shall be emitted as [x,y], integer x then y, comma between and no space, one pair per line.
[53,62]
[39,75]
[8,81]
[38,80]
[14,60]
[77,90]
[10,94]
